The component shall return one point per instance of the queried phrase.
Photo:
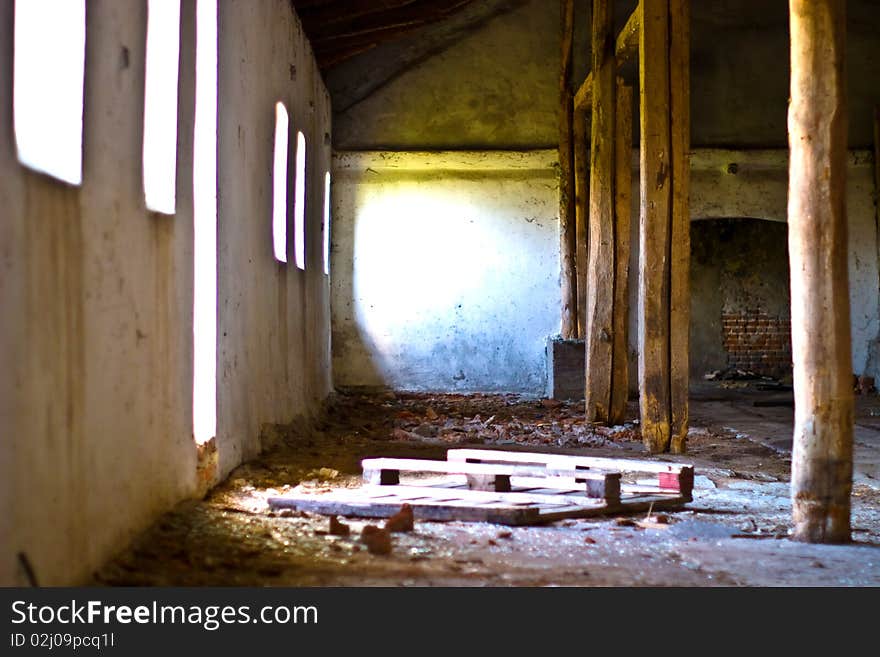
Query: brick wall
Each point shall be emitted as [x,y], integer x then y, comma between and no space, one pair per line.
[758,342]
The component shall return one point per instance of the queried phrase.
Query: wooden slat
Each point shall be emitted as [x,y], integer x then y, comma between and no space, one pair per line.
[675,477]
[569,461]
[465,468]
[530,484]
[582,209]
[680,238]
[622,213]
[467,505]
[626,47]
[514,497]
[583,97]
[427,510]
[600,266]
[654,229]
[595,484]
[567,220]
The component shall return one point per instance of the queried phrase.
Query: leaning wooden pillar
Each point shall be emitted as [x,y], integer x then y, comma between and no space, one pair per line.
[567,225]
[622,212]
[598,333]
[654,224]
[821,477]
[877,169]
[680,227]
[582,209]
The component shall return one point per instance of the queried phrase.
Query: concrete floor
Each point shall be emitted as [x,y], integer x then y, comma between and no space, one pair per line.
[734,533]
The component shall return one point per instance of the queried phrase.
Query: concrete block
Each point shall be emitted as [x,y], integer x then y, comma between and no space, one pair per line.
[565,368]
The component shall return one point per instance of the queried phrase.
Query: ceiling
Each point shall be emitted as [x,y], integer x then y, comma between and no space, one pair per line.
[341,29]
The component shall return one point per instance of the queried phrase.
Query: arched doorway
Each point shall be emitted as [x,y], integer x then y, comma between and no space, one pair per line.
[740,297]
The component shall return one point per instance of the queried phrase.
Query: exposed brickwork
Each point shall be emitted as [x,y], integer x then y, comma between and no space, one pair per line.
[758,342]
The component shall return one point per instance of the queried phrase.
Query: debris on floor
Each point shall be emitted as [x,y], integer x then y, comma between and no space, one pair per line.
[233,537]
[377,539]
[503,487]
[402,521]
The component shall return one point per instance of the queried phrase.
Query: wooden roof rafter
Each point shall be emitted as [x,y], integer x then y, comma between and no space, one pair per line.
[341,29]
[626,49]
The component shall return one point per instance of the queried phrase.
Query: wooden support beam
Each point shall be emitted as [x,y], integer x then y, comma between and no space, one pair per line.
[583,97]
[581,129]
[877,167]
[680,229]
[600,267]
[567,220]
[821,472]
[626,47]
[654,225]
[622,210]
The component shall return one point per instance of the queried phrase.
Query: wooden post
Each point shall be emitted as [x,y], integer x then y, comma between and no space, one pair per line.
[680,238]
[821,477]
[654,224]
[600,267]
[582,202]
[567,225]
[622,210]
[877,168]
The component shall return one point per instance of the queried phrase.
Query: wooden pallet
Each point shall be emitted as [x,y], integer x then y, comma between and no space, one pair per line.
[670,477]
[510,488]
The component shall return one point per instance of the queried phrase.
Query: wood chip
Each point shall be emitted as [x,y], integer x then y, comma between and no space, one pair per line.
[402,521]
[377,540]
[338,528]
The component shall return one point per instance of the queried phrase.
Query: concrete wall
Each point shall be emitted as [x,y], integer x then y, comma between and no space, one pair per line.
[95,327]
[96,345]
[273,331]
[727,184]
[739,269]
[445,269]
[497,87]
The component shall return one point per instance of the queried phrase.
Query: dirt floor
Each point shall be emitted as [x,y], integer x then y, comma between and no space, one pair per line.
[735,532]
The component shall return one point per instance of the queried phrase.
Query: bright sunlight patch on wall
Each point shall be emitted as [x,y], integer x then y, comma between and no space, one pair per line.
[326,224]
[50,40]
[299,200]
[160,105]
[279,184]
[205,228]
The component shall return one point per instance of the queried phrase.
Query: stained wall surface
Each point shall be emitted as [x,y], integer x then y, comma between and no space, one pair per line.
[754,184]
[95,328]
[96,292]
[273,330]
[446,269]
[497,88]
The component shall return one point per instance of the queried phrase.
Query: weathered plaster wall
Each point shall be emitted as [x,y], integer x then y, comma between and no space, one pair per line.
[96,292]
[727,184]
[95,326]
[273,331]
[740,72]
[738,267]
[446,264]
[497,87]
[445,269]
